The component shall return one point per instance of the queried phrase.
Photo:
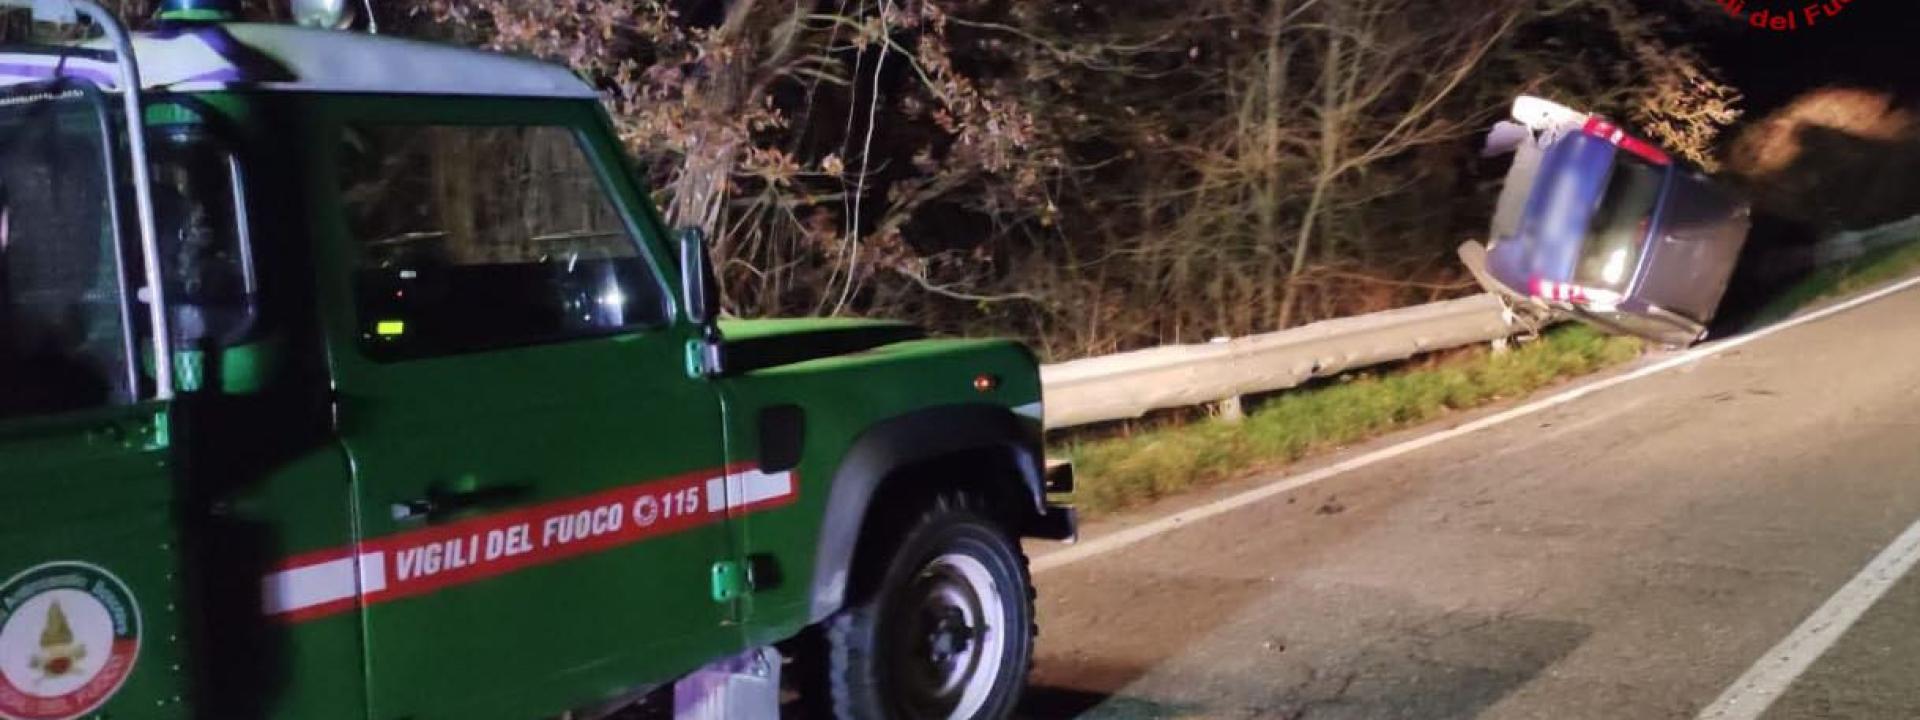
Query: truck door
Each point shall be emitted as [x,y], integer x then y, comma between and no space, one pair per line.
[88,548]
[539,477]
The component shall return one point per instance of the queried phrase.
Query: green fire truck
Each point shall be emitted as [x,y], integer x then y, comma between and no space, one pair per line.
[345,376]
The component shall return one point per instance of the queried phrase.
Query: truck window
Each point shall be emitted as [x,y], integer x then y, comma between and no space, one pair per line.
[473,238]
[64,344]
[204,256]
[1619,224]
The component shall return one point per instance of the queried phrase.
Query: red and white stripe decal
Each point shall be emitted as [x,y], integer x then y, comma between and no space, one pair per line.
[1596,298]
[432,558]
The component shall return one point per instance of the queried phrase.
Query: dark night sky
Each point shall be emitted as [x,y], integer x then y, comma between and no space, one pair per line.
[1872,43]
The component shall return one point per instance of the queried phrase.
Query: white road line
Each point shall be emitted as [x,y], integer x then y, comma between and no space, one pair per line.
[1121,539]
[1763,683]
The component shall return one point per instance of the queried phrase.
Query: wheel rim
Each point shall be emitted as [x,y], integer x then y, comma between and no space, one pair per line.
[949,657]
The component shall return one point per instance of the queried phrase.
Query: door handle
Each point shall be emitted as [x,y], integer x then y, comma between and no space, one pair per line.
[440,503]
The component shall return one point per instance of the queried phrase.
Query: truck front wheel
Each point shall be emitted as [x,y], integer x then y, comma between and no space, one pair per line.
[945,629]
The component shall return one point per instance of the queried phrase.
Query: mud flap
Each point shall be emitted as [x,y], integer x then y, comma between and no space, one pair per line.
[743,686]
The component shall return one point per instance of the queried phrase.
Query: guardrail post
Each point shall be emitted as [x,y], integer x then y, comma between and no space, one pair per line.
[1229,410]
[1218,374]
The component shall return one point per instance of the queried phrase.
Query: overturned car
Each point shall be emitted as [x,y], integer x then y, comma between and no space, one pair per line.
[1606,227]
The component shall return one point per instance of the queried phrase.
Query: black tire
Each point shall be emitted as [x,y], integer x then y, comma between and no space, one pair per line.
[950,601]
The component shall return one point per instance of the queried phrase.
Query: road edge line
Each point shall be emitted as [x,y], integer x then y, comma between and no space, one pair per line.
[1095,547]
[1755,691]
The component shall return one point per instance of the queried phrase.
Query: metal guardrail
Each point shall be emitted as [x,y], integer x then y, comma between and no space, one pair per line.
[1852,244]
[1129,385]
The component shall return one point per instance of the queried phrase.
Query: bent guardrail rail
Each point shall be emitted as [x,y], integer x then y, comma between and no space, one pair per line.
[1129,385]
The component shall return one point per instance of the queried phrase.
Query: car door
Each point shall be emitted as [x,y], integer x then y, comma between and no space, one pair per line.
[88,566]
[533,460]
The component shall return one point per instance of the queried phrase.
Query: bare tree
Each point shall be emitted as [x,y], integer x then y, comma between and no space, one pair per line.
[1093,176]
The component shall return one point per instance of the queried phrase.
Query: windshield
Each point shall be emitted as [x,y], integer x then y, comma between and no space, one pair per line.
[63,339]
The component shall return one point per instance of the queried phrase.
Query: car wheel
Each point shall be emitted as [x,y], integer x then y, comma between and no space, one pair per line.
[944,628]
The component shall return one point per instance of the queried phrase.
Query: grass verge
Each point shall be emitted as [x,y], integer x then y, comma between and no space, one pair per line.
[1114,473]
[1845,278]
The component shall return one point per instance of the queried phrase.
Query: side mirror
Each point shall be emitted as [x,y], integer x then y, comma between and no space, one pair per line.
[697,289]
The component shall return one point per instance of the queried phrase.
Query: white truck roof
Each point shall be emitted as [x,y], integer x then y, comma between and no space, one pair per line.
[199,57]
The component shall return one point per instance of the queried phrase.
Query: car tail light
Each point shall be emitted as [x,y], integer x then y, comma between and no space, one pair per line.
[1599,127]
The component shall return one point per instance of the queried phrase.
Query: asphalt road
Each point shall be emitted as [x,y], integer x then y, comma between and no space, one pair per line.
[1625,555]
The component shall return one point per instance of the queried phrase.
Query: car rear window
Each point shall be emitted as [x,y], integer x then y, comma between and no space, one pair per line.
[1618,228]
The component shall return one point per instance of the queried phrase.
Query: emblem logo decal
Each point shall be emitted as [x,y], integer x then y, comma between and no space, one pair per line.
[69,636]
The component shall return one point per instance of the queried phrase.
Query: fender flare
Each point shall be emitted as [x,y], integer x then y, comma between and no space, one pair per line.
[898,442]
